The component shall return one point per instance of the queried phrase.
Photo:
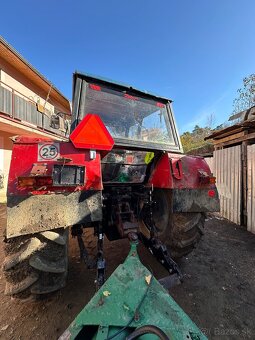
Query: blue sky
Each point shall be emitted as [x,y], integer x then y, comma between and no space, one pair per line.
[194,51]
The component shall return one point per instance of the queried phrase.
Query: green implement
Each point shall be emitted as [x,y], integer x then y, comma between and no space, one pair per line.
[132,304]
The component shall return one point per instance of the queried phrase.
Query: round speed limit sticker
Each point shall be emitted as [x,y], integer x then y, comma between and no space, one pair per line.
[48,151]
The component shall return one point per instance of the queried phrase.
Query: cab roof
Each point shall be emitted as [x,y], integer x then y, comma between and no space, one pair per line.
[118,85]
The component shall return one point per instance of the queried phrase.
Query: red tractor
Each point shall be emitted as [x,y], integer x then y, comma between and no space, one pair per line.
[122,172]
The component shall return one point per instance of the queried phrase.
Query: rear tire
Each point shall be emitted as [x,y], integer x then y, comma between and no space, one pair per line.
[36,264]
[187,230]
[90,242]
[180,232]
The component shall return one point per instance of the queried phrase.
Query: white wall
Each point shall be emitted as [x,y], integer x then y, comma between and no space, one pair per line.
[5,159]
[210,162]
[17,86]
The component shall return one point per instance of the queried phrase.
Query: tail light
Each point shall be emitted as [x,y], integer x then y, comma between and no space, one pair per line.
[160,105]
[26,181]
[35,181]
[205,178]
[212,180]
[128,96]
[95,87]
[211,193]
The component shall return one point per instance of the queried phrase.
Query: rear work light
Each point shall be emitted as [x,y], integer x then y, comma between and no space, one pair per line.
[160,105]
[204,177]
[35,181]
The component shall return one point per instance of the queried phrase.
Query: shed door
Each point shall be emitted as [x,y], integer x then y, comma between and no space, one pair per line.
[227,163]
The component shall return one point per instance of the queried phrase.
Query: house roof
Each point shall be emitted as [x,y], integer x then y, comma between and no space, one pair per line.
[14,58]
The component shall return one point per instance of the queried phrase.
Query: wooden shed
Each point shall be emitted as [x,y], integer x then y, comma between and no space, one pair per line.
[233,163]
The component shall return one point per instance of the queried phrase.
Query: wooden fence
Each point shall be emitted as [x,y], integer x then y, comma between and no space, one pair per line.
[226,166]
[251,188]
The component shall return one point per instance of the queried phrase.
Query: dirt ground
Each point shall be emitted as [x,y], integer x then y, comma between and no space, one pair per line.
[218,292]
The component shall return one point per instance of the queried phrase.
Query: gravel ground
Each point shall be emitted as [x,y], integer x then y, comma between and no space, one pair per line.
[218,292]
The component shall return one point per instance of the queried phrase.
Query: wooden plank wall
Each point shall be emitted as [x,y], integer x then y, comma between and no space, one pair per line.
[227,169]
[251,188]
[210,162]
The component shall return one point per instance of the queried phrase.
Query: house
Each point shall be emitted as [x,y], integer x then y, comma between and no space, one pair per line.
[29,105]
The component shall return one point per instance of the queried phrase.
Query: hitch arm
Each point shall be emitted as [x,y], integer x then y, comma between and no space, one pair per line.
[160,251]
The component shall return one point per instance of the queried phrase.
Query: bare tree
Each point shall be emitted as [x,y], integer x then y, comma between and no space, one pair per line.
[246,95]
[210,121]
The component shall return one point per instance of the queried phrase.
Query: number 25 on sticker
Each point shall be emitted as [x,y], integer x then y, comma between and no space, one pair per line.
[48,151]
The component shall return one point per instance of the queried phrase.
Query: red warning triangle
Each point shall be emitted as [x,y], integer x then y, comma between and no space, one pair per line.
[91,133]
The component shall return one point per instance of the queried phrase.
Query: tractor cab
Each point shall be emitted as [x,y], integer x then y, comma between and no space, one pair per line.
[135,119]
[140,123]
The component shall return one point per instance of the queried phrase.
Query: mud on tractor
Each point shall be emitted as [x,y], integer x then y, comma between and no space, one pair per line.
[122,171]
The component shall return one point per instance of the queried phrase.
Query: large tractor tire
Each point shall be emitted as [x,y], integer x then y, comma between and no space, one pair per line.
[36,264]
[180,232]
[90,242]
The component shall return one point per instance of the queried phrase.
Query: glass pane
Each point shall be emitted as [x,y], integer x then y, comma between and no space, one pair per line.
[129,117]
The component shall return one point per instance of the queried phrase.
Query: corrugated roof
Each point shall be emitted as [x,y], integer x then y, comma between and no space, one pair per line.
[232,129]
[244,115]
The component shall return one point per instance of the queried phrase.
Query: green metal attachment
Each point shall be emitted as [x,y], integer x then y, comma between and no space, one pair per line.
[131,297]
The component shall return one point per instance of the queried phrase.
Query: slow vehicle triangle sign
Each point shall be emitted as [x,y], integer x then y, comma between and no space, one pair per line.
[91,133]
